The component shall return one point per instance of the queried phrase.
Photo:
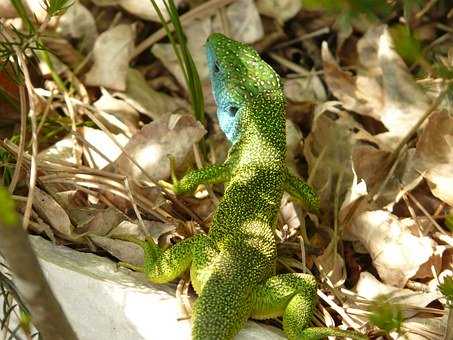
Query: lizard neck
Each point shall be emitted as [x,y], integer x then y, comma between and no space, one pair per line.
[263,137]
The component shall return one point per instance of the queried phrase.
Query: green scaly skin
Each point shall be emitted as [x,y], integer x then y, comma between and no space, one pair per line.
[232,268]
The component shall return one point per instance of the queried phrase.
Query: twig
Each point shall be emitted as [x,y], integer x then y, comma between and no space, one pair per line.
[23,133]
[46,312]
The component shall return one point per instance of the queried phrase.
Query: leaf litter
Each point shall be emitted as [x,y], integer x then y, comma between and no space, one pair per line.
[369,126]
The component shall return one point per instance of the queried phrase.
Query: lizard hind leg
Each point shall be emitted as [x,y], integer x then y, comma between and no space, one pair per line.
[293,296]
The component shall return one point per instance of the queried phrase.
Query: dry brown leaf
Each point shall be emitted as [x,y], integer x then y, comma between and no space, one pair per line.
[244,21]
[99,221]
[112,52]
[385,90]
[145,9]
[63,150]
[151,228]
[120,109]
[78,23]
[307,89]
[282,10]
[434,155]
[171,135]
[332,265]
[7,9]
[197,33]
[48,208]
[370,288]
[332,140]
[127,251]
[391,245]
[146,100]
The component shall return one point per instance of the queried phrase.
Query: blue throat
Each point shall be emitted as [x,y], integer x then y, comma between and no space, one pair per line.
[227,111]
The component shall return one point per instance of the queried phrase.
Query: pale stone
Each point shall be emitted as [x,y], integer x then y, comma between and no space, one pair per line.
[102,302]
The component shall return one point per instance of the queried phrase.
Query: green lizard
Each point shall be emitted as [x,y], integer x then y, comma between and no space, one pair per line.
[232,269]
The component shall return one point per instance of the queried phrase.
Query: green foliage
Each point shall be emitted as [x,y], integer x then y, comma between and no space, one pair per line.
[449,221]
[8,215]
[5,160]
[385,315]
[351,8]
[57,7]
[407,46]
[446,288]
[179,43]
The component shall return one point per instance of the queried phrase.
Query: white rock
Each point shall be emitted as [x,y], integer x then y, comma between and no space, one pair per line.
[104,303]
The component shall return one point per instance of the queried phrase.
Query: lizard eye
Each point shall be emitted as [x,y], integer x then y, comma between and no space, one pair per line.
[232,110]
[216,67]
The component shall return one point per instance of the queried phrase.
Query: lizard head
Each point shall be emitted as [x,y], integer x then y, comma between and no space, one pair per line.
[238,76]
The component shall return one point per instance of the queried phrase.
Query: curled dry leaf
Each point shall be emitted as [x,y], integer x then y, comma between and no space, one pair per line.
[391,245]
[48,208]
[171,135]
[280,10]
[434,155]
[384,90]
[112,51]
[78,23]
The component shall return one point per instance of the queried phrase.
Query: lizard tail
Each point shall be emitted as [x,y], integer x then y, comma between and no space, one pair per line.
[224,304]
[314,333]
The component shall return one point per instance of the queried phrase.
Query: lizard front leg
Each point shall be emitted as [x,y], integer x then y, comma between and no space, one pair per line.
[293,296]
[302,192]
[162,266]
[211,174]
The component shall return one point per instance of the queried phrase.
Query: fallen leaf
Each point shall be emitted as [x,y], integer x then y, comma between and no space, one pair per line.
[197,33]
[244,22]
[102,142]
[329,147]
[63,150]
[370,288]
[120,109]
[146,100]
[384,89]
[127,251]
[48,208]
[145,9]
[78,23]
[332,265]
[171,135]
[434,155]
[112,51]
[282,10]
[391,245]
[307,89]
